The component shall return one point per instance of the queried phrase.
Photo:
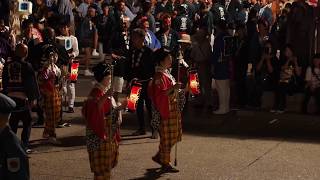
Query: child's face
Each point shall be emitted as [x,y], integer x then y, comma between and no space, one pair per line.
[107,81]
[53,57]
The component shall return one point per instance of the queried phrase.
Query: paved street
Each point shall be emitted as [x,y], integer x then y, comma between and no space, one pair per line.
[240,145]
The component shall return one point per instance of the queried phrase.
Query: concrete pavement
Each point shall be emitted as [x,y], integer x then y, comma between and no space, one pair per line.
[242,145]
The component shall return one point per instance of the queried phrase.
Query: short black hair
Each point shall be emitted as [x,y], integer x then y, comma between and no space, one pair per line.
[101,70]
[105,4]
[139,32]
[161,54]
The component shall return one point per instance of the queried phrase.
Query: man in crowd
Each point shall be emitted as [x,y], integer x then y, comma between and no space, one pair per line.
[19,83]
[140,67]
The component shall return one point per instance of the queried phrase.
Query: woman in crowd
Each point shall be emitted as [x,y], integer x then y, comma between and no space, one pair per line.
[163,91]
[289,73]
[313,84]
[102,132]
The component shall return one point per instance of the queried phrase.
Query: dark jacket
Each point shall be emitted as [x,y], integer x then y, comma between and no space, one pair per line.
[168,8]
[101,26]
[19,76]
[119,46]
[14,162]
[221,63]
[5,49]
[173,37]
[182,24]
[145,68]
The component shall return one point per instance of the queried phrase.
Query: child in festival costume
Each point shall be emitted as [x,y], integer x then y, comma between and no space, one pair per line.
[102,131]
[49,83]
[164,94]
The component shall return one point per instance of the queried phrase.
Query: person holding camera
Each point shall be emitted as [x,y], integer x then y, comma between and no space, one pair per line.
[268,71]
[288,81]
[265,65]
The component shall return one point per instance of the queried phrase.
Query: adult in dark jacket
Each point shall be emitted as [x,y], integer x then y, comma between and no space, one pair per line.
[167,36]
[182,23]
[221,68]
[140,66]
[14,162]
[19,82]
[119,48]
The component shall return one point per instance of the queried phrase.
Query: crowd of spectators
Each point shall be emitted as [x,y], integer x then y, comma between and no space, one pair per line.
[247,47]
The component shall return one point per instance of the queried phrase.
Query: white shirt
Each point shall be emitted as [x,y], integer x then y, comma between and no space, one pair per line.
[75,47]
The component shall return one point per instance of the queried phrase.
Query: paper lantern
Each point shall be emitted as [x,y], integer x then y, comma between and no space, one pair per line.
[134,96]
[313,3]
[74,71]
[194,82]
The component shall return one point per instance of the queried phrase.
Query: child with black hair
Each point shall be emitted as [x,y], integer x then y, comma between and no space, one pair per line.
[49,79]
[102,132]
[313,84]
[164,93]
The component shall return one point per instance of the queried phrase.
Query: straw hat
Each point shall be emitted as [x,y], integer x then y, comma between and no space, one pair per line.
[185,38]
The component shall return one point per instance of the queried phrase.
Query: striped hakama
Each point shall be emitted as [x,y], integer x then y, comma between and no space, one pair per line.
[52,109]
[170,131]
[103,155]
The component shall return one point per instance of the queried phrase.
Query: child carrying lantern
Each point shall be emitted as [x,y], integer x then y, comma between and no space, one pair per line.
[71,75]
[102,132]
[164,94]
[49,79]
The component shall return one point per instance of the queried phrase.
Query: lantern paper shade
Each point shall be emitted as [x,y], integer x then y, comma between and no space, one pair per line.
[194,82]
[74,71]
[313,3]
[134,96]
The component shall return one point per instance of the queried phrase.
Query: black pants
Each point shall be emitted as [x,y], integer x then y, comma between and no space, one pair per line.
[40,112]
[280,96]
[254,91]
[144,99]
[22,113]
[308,95]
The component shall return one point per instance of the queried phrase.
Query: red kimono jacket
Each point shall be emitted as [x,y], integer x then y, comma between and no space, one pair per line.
[157,92]
[94,115]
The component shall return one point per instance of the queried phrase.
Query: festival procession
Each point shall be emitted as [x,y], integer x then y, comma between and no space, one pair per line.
[107,89]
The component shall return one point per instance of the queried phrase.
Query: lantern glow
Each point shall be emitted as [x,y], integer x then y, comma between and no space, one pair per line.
[194,82]
[74,71]
[134,96]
